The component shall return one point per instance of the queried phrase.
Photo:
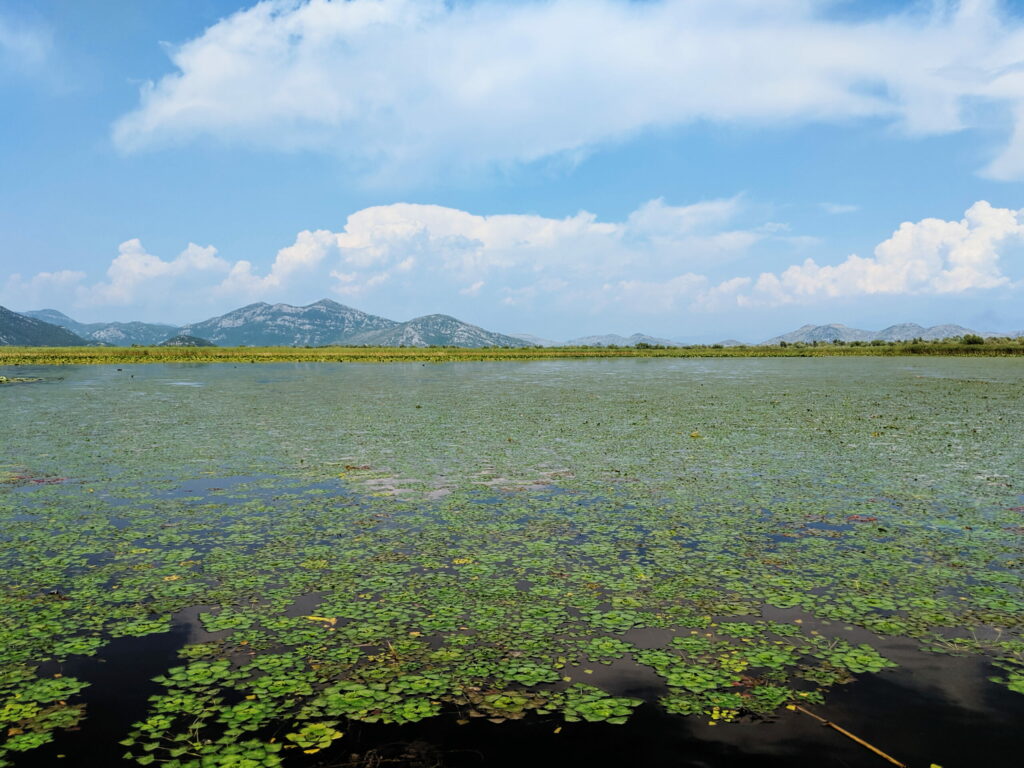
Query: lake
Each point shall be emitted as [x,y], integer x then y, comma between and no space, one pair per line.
[655,562]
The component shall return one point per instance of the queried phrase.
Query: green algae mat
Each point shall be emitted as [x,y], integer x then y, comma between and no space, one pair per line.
[292,554]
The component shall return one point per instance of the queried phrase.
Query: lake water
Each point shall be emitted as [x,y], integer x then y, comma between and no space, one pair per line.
[611,562]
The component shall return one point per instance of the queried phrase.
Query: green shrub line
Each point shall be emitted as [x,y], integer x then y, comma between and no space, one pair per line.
[968,346]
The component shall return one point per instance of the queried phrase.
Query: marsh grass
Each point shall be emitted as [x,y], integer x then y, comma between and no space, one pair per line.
[130,355]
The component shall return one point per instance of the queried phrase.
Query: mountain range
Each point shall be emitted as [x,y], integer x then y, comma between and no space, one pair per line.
[115,334]
[23,331]
[901,332]
[327,322]
[441,330]
[319,324]
[614,340]
[807,334]
[274,325]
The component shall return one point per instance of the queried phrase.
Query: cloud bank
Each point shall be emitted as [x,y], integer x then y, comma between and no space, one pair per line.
[932,257]
[661,260]
[428,84]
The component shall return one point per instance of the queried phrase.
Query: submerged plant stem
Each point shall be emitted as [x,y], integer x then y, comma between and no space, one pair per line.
[849,735]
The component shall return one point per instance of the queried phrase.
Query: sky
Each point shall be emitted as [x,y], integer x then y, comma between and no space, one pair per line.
[690,169]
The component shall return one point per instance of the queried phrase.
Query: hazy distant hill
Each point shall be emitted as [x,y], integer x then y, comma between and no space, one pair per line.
[610,339]
[323,323]
[265,325]
[441,330]
[535,341]
[934,333]
[22,331]
[117,334]
[900,332]
[183,340]
[831,332]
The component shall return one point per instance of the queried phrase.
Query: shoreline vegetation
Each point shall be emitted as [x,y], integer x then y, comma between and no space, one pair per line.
[969,346]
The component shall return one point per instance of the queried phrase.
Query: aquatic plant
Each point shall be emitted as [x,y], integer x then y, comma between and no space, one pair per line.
[352,545]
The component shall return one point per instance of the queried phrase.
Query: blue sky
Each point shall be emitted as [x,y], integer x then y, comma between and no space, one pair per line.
[696,170]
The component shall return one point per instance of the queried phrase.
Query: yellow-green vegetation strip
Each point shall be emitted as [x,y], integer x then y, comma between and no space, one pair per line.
[130,355]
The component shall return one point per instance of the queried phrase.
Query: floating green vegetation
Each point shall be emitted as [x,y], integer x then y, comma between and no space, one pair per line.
[392,545]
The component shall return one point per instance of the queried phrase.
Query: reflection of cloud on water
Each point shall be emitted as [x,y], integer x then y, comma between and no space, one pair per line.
[918,713]
[959,680]
[379,481]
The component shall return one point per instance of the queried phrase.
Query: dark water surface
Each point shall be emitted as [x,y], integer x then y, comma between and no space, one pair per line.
[379,523]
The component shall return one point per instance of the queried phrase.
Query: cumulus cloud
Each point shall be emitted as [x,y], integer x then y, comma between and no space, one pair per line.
[298,260]
[401,83]
[928,257]
[42,290]
[931,257]
[524,254]
[149,287]
[135,274]
[660,260]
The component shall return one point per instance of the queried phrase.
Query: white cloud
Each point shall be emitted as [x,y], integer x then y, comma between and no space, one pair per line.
[654,218]
[928,257]
[23,47]
[146,285]
[43,290]
[134,274]
[661,260]
[406,249]
[406,83]
[838,208]
[298,260]
[551,290]
[656,297]
[454,248]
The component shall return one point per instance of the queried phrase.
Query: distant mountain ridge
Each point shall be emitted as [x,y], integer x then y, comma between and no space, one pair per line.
[327,323]
[17,330]
[613,339]
[322,323]
[116,334]
[439,330]
[535,341]
[900,332]
[183,340]
[270,325]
